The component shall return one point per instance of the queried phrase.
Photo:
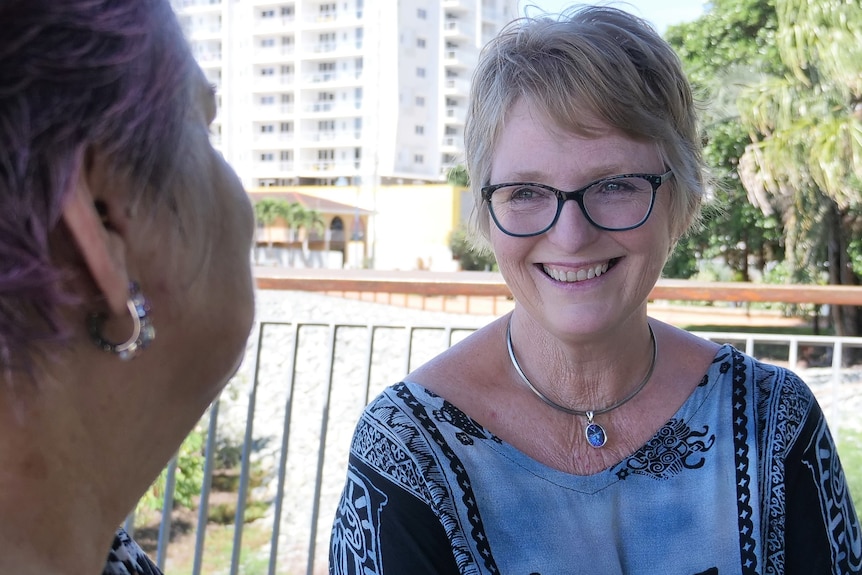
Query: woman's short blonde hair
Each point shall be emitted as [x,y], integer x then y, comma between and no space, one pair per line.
[588,62]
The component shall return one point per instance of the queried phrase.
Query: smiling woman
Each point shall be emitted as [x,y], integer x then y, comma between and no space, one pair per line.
[125,286]
[577,434]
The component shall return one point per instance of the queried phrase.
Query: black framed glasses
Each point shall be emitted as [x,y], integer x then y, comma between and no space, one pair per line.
[616,204]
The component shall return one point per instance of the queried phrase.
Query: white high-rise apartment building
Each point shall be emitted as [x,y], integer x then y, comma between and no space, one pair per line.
[356,92]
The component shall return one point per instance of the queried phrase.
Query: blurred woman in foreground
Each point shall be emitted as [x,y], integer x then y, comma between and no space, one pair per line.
[125,287]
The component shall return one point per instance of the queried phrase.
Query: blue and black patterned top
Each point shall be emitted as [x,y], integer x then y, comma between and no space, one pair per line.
[744,479]
[127,558]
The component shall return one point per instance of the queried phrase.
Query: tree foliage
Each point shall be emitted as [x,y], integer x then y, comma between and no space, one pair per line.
[469,257]
[718,51]
[293,214]
[783,78]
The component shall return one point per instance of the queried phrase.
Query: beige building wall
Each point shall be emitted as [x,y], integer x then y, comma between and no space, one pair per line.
[410,225]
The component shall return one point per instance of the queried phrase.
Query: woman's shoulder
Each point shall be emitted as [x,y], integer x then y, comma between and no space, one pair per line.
[458,372]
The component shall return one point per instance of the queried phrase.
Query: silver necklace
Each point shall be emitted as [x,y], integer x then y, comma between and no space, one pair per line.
[595,433]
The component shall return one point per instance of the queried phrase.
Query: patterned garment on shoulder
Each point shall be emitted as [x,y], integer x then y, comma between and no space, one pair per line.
[127,558]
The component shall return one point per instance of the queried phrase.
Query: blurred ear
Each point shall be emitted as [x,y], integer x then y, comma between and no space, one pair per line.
[97,239]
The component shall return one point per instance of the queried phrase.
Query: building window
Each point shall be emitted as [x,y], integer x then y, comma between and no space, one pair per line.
[420,72]
[418,159]
[325,154]
[267,71]
[421,13]
[267,100]
[419,130]
[266,157]
[286,127]
[267,13]
[267,128]
[267,43]
[420,42]
[286,155]
[287,10]
[420,101]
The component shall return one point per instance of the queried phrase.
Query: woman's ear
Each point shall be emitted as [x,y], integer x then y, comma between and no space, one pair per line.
[86,213]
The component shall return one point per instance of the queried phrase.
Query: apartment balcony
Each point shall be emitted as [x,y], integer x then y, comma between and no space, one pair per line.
[274,141]
[273,169]
[272,112]
[209,59]
[264,26]
[329,50]
[323,168]
[334,109]
[205,32]
[332,138]
[274,54]
[462,58]
[339,18]
[456,87]
[455,7]
[456,30]
[455,116]
[452,144]
[275,83]
[333,79]
[199,6]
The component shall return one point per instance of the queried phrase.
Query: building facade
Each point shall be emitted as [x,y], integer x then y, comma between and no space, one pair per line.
[341,93]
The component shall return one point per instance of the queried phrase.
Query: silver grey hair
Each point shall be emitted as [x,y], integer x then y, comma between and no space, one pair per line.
[588,62]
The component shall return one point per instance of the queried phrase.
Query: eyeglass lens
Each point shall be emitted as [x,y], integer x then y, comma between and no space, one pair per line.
[614,203]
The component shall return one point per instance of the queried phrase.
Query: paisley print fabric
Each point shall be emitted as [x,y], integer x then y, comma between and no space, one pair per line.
[127,558]
[743,479]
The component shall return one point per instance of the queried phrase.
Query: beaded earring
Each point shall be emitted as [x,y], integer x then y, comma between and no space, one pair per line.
[143,332]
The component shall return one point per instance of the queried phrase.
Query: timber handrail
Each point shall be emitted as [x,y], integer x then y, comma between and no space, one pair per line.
[467,283]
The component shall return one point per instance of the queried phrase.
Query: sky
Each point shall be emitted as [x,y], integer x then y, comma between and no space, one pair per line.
[661,13]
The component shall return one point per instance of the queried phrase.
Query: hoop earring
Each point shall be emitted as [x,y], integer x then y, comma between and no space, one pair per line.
[143,332]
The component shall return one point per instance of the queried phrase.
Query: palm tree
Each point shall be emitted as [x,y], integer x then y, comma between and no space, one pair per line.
[306,221]
[267,211]
[805,159]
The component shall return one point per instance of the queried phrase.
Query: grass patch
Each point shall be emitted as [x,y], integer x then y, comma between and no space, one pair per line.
[850,451]
[218,549]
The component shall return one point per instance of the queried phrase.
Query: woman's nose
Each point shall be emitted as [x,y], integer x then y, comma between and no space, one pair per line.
[572,229]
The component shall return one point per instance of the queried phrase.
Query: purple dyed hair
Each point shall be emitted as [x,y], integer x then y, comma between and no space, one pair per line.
[74,75]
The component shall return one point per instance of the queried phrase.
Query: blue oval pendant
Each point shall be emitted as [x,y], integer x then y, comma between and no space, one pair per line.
[596,435]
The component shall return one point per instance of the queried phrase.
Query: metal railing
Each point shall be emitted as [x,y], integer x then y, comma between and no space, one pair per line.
[295,401]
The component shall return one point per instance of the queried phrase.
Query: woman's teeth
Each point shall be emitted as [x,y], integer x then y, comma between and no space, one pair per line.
[578,276]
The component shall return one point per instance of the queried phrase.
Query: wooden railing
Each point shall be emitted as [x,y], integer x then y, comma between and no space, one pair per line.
[492,284]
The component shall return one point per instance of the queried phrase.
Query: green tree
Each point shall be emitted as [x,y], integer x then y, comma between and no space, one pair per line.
[721,52]
[469,257]
[788,73]
[458,176]
[269,210]
[804,161]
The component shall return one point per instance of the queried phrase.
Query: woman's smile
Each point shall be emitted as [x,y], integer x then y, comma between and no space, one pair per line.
[570,275]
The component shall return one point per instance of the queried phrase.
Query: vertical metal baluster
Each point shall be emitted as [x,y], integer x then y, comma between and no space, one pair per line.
[282,462]
[203,505]
[318,479]
[246,456]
